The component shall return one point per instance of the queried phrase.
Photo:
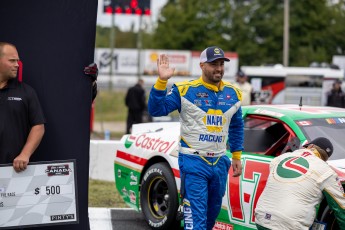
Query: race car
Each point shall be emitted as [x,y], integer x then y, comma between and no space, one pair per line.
[147,173]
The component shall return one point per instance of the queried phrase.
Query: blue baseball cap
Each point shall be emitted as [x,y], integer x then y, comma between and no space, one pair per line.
[212,53]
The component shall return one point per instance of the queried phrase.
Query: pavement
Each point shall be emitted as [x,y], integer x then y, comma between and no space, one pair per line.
[116,218]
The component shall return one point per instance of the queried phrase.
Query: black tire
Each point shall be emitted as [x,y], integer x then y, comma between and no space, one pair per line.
[329,218]
[158,197]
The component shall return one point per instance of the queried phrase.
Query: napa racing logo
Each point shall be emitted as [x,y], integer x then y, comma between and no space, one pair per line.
[292,167]
[214,120]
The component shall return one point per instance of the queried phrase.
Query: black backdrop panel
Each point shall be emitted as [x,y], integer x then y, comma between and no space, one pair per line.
[55,41]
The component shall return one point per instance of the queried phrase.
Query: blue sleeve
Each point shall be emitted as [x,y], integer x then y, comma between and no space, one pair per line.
[161,104]
[236,133]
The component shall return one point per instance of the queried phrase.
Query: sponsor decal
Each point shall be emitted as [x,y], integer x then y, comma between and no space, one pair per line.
[124,191]
[14,99]
[58,170]
[202,95]
[134,179]
[122,174]
[214,120]
[222,226]
[208,102]
[145,142]
[188,217]
[159,224]
[340,186]
[2,189]
[304,123]
[333,121]
[170,91]
[152,171]
[255,172]
[228,96]
[132,197]
[221,103]
[62,217]
[197,103]
[129,141]
[292,167]
[211,138]
[268,216]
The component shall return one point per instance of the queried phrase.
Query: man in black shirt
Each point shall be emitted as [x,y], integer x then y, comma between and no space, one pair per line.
[336,97]
[136,102]
[21,116]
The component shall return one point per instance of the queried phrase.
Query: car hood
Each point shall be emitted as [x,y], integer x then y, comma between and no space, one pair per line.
[339,167]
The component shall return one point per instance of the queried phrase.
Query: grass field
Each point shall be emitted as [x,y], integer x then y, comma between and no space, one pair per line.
[110,106]
[104,194]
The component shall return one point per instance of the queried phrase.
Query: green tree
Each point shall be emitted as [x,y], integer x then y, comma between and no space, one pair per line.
[252,28]
[257,31]
[192,25]
[311,24]
[123,39]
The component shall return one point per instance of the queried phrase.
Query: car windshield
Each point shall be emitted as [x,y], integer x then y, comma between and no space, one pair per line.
[331,128]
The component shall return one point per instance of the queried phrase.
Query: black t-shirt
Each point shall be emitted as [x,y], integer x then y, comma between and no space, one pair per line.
[136,99]
[19,111]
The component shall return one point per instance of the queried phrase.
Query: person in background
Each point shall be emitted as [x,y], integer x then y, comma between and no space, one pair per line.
[21,116]
[135,100]
[243,84]
[210,117]
[297,183]
[336,96]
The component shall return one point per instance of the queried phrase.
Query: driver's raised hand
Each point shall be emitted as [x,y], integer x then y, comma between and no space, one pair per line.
[164,71]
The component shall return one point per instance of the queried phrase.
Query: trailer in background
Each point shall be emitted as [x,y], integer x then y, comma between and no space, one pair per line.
[286,85]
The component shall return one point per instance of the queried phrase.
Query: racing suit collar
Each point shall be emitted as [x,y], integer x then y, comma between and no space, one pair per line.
[212,87]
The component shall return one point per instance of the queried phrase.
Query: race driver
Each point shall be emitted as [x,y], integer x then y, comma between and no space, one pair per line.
[210,116]
[296,185]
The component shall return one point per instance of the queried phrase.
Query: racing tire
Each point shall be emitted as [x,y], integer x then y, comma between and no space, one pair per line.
[328,217]
[159,198]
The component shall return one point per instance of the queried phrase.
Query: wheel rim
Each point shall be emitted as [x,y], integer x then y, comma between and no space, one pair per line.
[159,198]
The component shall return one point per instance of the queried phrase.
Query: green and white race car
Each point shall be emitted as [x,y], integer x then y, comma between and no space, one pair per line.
[147,173]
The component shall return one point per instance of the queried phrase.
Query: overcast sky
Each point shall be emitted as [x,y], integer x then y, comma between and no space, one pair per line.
[125,21]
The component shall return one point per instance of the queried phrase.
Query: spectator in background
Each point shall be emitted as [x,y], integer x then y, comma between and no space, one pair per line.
[136,102]
[336,96]
[243,84]
[21,116]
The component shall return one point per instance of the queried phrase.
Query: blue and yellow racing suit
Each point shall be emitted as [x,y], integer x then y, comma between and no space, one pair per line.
[210,118]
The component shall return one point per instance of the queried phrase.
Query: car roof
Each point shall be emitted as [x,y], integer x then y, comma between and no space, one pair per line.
[294,112]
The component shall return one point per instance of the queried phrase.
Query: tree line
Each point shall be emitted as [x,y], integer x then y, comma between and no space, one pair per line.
[252,28]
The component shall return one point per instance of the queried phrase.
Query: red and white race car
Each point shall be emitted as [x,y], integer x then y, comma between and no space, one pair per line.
[148,179]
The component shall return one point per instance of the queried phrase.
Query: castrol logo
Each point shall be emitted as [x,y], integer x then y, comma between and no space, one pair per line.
[150,143]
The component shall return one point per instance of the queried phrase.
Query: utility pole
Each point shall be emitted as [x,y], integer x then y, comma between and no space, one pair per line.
[139,47]
[286,33]
[112,46]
